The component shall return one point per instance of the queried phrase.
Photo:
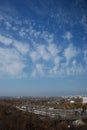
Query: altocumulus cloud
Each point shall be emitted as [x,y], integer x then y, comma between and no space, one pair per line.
[42,60]
[27,51]
[10,63]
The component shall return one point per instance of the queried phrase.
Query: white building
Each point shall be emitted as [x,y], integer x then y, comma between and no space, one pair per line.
[72,101]
[84,100]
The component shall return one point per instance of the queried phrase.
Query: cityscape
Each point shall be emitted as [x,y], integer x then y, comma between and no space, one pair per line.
[69,112]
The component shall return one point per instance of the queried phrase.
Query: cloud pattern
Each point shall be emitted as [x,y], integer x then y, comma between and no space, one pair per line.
[27,51]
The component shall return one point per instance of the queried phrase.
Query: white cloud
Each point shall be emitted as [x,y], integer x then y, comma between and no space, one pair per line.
[48,53]
[48,59]
[57,60]
[85,56]
[32,33]
[53,50]
[8,25]
[22,32]
[75,70]
[23,48]
[14,69]
[41,49]
[5,40]
[40,52]
[80,69]
[55,70]
[70,52]
[47,36]
[38,70]
[14,28]
[11,63]
[67,35]
[34,56]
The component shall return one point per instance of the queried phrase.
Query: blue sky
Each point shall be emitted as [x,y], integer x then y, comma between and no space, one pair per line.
[43,47]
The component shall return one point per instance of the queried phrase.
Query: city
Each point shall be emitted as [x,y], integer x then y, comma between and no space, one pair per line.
[70,109]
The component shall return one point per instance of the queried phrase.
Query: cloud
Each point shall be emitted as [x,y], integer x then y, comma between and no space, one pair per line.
[8,25]
[47,36]
[22,33]
[57,60]
[38,70]
[70,52]
[5,40]
[44,52]
[39,52]
[41,49]
[67,36]
[27,50]
[39,35]
[23,48]
[55,69]
[85,56]
[76,69]
[47,60]
[34,56]
[53,49]
[11,63]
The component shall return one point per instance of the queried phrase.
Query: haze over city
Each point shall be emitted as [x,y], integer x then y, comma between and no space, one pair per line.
[43,47]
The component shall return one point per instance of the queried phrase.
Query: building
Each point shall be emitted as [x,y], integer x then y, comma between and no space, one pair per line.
[84,100]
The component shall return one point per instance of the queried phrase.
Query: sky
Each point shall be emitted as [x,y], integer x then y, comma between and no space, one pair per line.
[43,47]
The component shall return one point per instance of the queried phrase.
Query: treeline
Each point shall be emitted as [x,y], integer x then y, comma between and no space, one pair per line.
[13,119]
